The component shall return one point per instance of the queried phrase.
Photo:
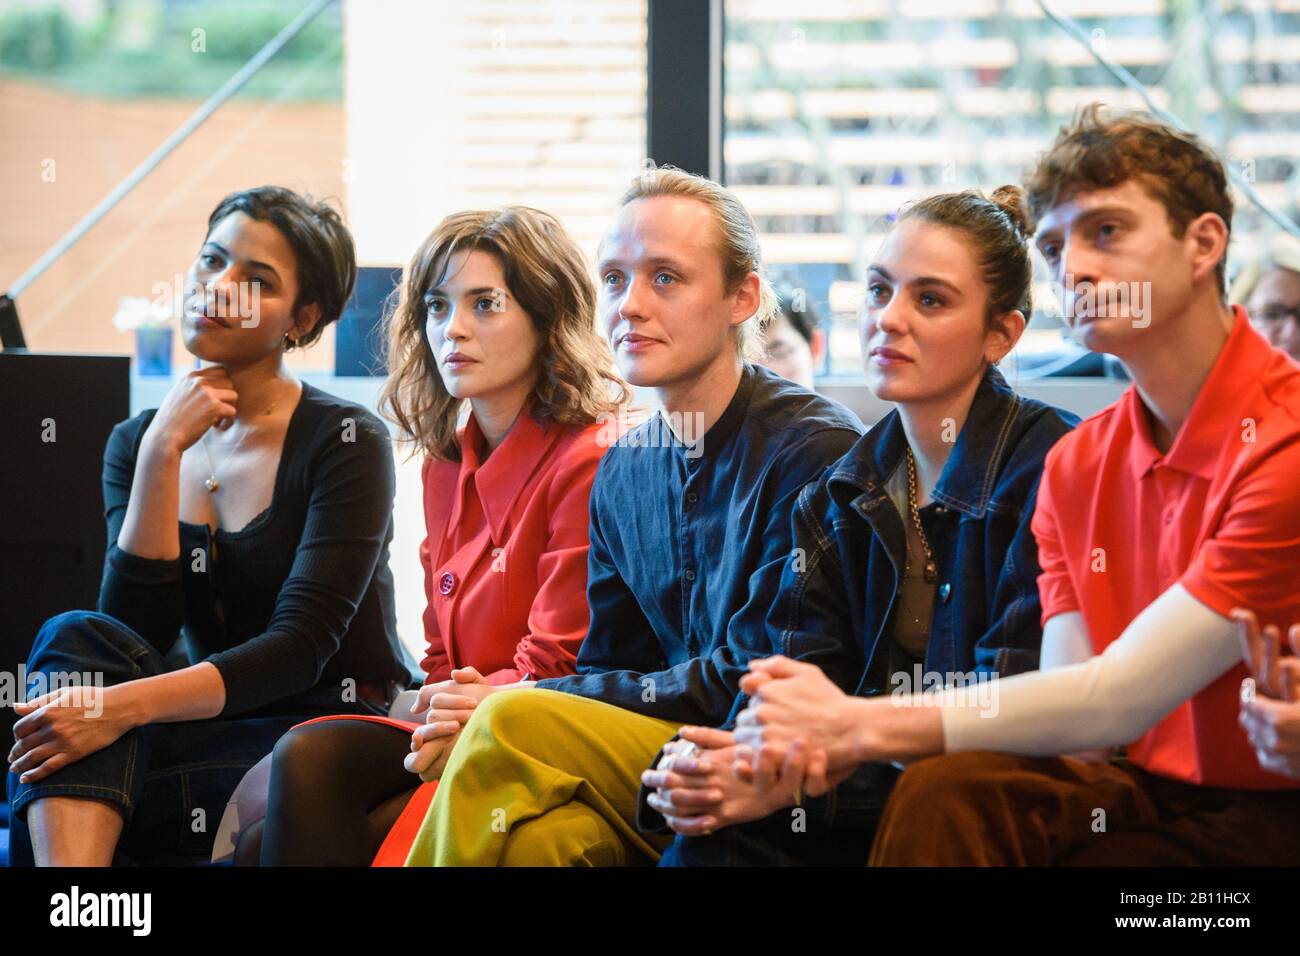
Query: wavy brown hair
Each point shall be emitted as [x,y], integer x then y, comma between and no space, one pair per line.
[1098,150]
[548,276]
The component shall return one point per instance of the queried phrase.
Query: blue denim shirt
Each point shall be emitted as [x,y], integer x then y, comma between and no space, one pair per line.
[677,533]
[834,599]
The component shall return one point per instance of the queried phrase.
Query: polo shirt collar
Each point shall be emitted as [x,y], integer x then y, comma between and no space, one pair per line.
[1143,453]
[1217,411]
[499,480]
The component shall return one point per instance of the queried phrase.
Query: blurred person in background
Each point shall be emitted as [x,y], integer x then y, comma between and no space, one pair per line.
[1269,288]
[793,342]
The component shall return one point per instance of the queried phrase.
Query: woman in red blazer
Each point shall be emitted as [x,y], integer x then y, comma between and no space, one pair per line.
[496,311]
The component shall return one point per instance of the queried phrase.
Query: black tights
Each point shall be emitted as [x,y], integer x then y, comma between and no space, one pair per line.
[337,788]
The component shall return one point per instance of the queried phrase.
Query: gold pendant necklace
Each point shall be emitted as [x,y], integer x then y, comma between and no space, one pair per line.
[211,483]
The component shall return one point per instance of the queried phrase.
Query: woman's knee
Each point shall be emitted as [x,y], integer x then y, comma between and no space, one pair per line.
[305,754]
[88,641]
[329,752]
[248,848]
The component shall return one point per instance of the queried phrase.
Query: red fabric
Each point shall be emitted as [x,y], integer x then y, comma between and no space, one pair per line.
[393,851]
[512,531]
[1118,524]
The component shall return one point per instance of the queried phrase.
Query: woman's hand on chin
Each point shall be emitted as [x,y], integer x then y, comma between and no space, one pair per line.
[200,399]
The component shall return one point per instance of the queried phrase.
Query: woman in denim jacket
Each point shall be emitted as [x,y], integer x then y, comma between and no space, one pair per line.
[914,566]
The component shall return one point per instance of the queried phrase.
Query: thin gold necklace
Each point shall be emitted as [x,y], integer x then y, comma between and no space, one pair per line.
[211,483]
[931,571]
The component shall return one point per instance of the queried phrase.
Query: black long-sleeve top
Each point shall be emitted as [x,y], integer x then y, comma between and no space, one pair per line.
[300,598]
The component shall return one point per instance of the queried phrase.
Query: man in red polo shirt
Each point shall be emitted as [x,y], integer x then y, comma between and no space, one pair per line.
[1157,519]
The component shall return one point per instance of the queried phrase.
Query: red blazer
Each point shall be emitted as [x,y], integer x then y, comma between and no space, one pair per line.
[505,559]
[505,569]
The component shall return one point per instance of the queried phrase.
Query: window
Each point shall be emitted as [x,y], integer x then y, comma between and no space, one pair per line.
[839,111]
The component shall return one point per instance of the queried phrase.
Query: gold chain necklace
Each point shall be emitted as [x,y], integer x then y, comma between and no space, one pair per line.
[931,571]
[211,482]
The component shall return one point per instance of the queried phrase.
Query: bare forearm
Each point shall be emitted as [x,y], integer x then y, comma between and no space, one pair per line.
[151,528]
[192,693]
[886,730]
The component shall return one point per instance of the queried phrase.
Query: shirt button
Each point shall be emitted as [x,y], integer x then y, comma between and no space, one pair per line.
[690,575]
[691,497]
[1169,516]
[447,583]
[940,510]
[945,590]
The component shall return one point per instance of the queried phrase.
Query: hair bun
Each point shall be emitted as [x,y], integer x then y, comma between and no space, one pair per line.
[1011,200]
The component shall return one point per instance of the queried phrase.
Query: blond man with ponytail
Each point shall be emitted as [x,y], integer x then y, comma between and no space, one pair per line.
[684,511]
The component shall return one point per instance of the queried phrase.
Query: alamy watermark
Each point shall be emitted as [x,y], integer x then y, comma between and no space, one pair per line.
[86,688]
[978,689]
[671,429]
[245,305]
[1106,300]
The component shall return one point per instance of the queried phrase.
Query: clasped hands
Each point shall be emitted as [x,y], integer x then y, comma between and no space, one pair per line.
[445,707]
[799,733]
[793,738]
[1270,698]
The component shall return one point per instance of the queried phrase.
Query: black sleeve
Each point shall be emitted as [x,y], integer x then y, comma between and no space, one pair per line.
[145,594]
[348,519]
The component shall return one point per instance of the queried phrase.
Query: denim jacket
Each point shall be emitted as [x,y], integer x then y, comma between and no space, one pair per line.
[835,598]
[834,604]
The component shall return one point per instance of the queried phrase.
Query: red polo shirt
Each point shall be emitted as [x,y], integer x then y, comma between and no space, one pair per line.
[1118,523]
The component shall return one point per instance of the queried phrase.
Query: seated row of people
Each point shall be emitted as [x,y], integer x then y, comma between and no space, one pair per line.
[738,630]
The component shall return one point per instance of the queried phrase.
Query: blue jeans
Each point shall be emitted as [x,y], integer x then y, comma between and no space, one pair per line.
[170,781]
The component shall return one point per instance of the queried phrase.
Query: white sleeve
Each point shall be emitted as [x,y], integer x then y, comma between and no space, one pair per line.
[1065,642]
[1170,651]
